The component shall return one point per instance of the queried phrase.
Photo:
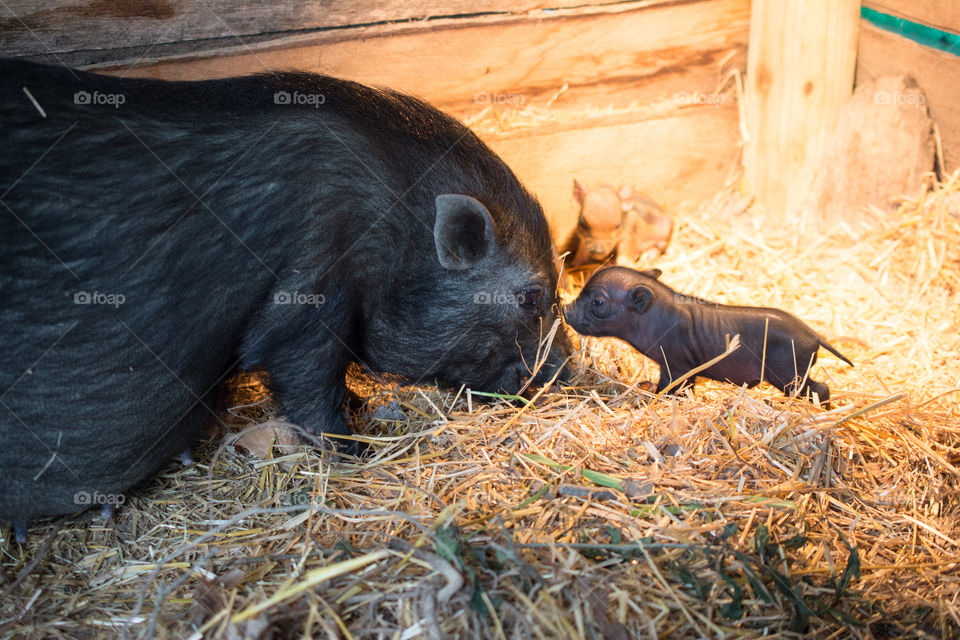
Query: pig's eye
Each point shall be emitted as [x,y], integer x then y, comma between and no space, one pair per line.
[530,298]
[599,307]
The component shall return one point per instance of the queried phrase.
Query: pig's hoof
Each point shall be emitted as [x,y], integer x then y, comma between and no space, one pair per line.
[106,511]
[648,386]
[389,411]
[186,459]
[20,530]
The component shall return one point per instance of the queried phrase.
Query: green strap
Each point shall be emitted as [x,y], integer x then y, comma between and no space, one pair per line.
[927,36]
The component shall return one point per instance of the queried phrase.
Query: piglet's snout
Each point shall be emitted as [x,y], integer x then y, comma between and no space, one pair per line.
[599,250]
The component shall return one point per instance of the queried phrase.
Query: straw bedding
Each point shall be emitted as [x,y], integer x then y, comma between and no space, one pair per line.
[598,511]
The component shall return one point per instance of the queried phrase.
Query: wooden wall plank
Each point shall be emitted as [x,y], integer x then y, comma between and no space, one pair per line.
[884,53]
[940,14]
[63,26]
[88,31]
[606,59]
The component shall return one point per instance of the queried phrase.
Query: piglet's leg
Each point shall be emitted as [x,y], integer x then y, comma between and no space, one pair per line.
[793,388]
[812,386]
[666,380]
[631,244]
[626,259]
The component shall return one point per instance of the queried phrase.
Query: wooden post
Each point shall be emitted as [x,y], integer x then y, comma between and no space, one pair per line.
[800,69]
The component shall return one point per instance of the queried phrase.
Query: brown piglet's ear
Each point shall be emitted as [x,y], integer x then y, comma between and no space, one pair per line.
[579,191]
[652,273]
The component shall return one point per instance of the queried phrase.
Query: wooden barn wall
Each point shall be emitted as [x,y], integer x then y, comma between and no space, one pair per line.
[938,72]
[465,58]
[79,32]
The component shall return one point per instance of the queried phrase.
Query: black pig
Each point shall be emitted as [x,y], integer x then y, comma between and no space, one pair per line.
[156,236]
[680,332]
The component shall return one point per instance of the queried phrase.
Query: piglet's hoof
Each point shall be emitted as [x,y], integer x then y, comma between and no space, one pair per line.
[647,386]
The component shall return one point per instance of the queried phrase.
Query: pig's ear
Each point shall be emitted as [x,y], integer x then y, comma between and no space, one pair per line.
[463,231]
[578,191]
[640,298]
[652,273]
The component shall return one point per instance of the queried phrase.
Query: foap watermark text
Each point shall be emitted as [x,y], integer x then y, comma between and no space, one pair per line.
[682,298]
[684,99]
[87,499]
[97,98]
[99,297]
[495,297]
[295,297]
[297,98]
[897,98]
[515,99]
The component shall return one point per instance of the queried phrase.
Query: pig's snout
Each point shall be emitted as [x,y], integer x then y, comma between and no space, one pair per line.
[549,370]
[555,367]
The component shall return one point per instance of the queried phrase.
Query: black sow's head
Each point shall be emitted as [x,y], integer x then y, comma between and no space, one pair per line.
[495,297]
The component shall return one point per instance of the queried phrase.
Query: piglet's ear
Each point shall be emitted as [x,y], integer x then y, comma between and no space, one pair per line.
[652,273]
[579,191]
[640,298]
[463,231]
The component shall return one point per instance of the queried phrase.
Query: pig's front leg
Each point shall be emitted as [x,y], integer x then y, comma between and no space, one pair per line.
[311,386]
[306,349]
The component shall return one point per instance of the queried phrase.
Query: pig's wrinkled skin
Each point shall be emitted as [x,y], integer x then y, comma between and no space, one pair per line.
[620,226]
[292,223]
[680,332]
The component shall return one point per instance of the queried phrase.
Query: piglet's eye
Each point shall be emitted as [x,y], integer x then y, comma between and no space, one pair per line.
[599,307]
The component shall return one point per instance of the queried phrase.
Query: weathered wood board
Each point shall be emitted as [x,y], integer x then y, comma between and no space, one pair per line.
[637,53]
[79,31]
